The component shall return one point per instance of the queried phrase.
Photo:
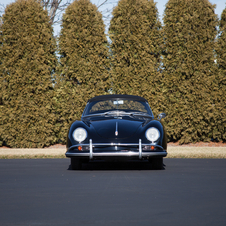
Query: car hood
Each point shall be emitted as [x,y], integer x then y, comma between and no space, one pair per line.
[116,128]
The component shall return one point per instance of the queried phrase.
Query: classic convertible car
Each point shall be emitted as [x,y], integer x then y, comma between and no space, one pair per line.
[117,127]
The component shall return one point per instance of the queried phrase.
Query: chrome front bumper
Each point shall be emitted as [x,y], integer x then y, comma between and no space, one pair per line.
[91,153]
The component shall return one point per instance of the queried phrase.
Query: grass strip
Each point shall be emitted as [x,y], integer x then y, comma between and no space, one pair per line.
[173,152]
[32,156]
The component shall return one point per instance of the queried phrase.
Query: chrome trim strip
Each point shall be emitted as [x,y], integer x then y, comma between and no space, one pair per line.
[116,129]
[140,149]
[114,144]
[118,154]
[90,149]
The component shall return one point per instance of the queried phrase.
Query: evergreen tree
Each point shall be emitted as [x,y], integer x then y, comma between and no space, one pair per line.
[190,71]
[1,102]
[135,32]
[84,61]
[220,102]
[27,63]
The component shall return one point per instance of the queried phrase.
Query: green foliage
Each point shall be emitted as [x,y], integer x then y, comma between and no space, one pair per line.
[180,69]
[220,103]
[135,32]
[221,44]
[84,62]
[190,84]
[27,54]
[223,19]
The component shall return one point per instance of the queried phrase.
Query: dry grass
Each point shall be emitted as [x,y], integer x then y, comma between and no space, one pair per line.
[173,152]
[32,156]
[196,152]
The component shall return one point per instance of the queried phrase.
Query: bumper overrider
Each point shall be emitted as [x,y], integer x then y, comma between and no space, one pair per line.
[95,150]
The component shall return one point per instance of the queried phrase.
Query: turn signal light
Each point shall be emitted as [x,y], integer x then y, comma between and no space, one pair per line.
[152,147]
[80,148]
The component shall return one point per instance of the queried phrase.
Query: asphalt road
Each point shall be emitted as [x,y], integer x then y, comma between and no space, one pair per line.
[45,192]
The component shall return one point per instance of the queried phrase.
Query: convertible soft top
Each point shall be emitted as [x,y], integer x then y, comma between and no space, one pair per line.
[114,96]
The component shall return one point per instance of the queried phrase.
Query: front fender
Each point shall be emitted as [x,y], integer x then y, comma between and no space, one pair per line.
[74,125]
[158,125]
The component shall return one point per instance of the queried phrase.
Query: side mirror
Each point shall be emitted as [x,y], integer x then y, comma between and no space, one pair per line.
[161,115]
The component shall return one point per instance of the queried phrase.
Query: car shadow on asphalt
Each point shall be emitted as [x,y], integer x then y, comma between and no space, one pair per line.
[128,165]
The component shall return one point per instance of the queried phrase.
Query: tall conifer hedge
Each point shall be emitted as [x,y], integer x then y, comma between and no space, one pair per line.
[27,63]
[190,73]
[84,62]
[135,32]
[189,84]
[220,103]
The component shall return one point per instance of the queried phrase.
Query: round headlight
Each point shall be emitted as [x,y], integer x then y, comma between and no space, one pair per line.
[152,134]
[79,134]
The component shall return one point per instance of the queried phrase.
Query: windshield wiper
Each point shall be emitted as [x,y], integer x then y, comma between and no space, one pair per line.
[120,113]
[106,114]
[123,113]
[93,115]
[142,114]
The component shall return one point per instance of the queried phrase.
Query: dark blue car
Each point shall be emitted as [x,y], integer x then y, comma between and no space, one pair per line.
[117,127]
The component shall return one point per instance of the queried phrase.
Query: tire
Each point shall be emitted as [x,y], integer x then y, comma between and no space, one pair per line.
[76,164]
[156,163]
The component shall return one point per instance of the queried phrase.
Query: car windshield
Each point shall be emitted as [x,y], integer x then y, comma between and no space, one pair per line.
[116,105]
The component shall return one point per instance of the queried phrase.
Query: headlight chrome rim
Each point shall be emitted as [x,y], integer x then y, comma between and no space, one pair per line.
[152,134]
[79,134]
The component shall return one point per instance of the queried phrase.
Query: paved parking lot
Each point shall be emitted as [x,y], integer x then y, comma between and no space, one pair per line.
[45,192]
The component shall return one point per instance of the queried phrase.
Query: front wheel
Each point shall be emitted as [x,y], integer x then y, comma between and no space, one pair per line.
[156,163]
[76,164]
